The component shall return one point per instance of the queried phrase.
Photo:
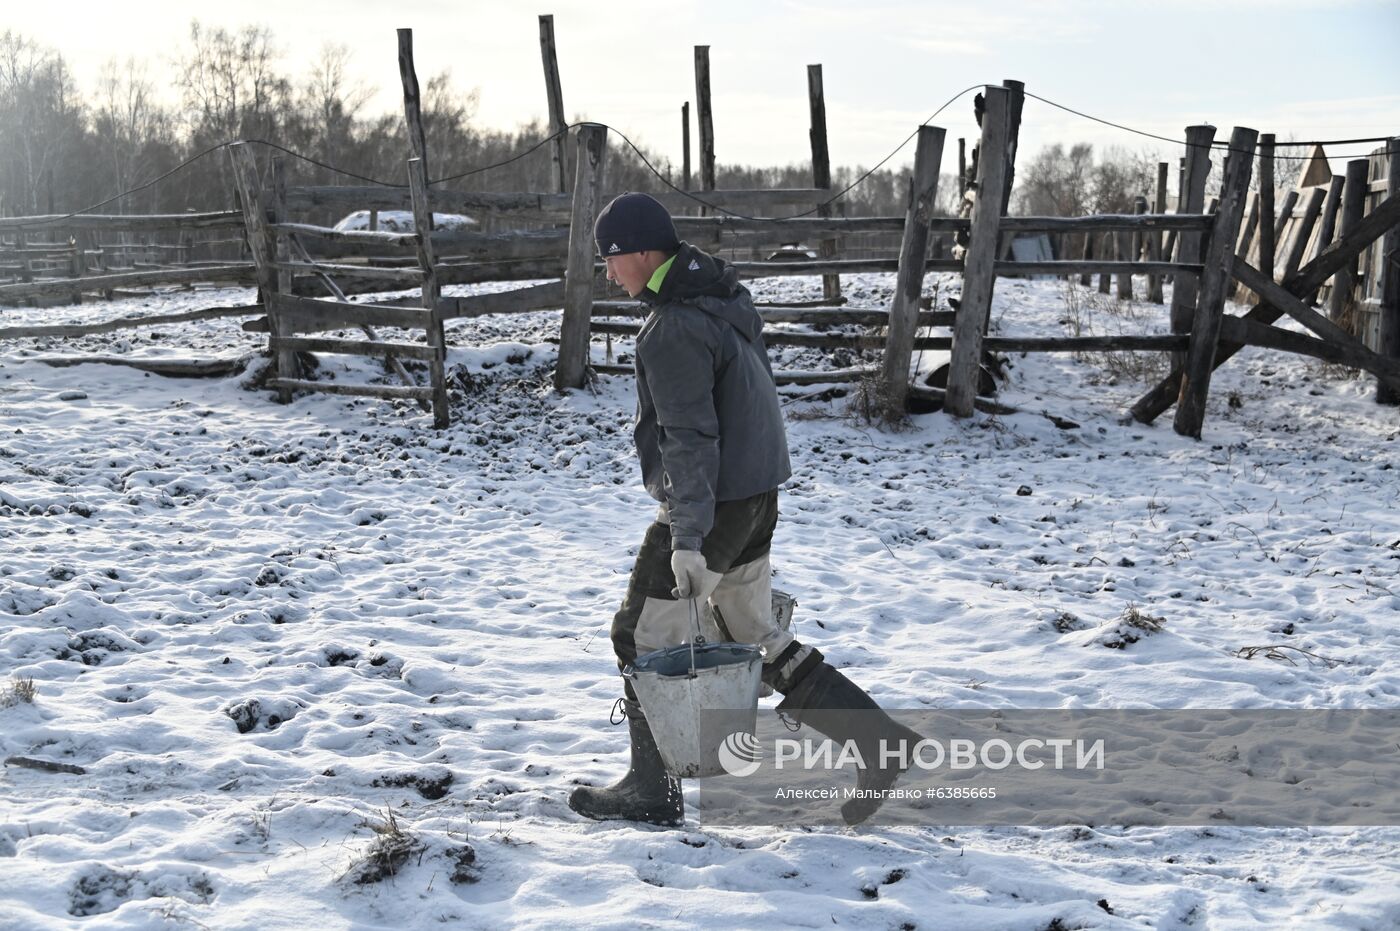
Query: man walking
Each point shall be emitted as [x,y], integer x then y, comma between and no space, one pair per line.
[709,435]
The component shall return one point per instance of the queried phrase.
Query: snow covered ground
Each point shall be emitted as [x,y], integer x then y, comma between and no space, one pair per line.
[281,641]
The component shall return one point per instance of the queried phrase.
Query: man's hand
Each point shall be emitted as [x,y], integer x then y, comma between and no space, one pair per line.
[689,569]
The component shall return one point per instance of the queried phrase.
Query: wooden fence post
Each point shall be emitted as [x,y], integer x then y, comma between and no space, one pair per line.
[909,281]
[556,99]
[1268,244]
[1154,240]
[1389,345]
[1330,209]
[572,367]
[1128,243]
[1302,232]
[1110,251]
[705,116]
[1353,206]
[1087,278]
[245,176]
[685,146]
[412,108]
[432,291]
[1215,282]
[821,172]
[979,273]
[1192,200]
[278,209]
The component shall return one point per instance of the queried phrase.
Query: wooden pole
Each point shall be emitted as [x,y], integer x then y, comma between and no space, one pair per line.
[685,146]
[1353,206]
[1154,241]
[706,117]
[1267,243]
[412,106]
[556,100]
[1215,281]
[904,312]
[1128,252]
[432,292]
[1302,232]
[821,172]
[1086,278]
[280,215]
[1330,209]
[1016,100]
[962,167]
[245,177]
[979,275]
[572,367]
[1389,345]
[1110,251]
[1192,200]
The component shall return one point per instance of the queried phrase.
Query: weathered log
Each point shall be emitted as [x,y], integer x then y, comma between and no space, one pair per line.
[405,277]
[430,293]
[821,170]
[1353,206]
[1154,252]
[368,237]
[262,249]
[1355,352]
[1267,244]
[555,95]
[128,323]
[48,766]
[1389,342]
[570,370]
[354,347]
[1215,282]
[705,116]
[242,273]
[913,251]
[366,391]
[221,219]
[1191,202]
[170,368]
[307,315]
[979,273]
[1072,267]
[1302,232]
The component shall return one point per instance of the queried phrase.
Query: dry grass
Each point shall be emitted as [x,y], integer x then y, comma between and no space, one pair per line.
[1089,313]
[387,853]
[18,692]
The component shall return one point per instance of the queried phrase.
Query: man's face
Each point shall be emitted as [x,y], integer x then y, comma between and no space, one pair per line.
[631,271]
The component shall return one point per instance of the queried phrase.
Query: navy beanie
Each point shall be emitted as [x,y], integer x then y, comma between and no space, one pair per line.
[635,223]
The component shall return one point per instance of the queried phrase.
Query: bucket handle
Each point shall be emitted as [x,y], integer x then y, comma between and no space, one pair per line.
[698,637]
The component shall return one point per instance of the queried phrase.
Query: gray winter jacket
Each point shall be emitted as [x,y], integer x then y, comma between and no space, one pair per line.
[709,426]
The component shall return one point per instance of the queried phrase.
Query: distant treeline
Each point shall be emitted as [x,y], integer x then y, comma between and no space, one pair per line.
[62,149]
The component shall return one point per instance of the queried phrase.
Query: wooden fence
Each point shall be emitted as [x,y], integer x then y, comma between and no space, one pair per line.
[306,272]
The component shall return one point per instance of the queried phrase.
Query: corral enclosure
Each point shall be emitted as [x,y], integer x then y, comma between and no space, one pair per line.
[318,662]
[1205,249]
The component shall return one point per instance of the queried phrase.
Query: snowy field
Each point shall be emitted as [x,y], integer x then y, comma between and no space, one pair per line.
[290,644]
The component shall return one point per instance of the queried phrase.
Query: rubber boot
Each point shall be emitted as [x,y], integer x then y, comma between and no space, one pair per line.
[842,711]
[647,793]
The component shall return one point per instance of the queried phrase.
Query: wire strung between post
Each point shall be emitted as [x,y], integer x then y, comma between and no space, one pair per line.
[1217,145]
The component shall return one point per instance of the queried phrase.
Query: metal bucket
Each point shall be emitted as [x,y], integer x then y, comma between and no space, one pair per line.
[677,685]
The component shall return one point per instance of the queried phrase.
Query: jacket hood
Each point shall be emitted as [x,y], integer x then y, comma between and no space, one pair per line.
[710,284]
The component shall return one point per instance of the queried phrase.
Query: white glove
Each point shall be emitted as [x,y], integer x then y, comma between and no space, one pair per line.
[689,568]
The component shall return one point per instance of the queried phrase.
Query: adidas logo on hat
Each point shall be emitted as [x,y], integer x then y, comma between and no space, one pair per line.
[613,248]
[694,265]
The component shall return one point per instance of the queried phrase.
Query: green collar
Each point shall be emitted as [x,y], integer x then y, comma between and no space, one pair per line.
[659,276]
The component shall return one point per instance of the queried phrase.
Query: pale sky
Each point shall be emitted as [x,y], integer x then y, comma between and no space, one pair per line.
[1300,69]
